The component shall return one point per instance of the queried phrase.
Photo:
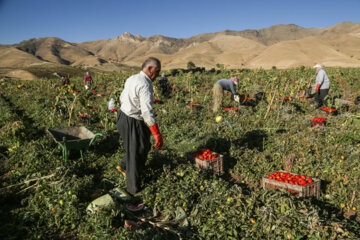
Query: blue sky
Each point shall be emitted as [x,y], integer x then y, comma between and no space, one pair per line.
[88,20]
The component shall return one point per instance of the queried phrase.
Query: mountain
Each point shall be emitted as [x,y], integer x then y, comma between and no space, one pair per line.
[56,50]
[283,46]
[13,57]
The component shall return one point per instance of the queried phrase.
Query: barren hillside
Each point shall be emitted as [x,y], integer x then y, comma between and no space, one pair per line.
[283,46]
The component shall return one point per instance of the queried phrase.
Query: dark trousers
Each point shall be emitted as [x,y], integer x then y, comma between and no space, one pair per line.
[319,97]
[136,137]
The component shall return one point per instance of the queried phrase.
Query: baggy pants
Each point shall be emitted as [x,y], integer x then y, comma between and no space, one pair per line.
[136,137]
[218,94]
[319,97]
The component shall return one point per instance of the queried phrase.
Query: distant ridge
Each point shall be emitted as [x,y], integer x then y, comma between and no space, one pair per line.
[282,46]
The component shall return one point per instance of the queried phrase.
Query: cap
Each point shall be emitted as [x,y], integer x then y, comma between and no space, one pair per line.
[234,80]
[319,65]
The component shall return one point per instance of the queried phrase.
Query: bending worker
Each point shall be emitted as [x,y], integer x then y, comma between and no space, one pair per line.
[136,121]
[322,84]
[218,91]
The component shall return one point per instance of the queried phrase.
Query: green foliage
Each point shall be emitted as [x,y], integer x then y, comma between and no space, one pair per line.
[41,198]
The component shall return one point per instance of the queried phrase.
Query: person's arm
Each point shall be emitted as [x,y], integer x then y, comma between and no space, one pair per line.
[232,88]
[147,113]
[319,80]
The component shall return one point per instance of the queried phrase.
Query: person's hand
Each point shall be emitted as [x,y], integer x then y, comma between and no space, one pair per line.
[237,98]
[158,138]
[317,87]
[158,141]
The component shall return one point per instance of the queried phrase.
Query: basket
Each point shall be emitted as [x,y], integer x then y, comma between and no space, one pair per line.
[309,190]
[215,165]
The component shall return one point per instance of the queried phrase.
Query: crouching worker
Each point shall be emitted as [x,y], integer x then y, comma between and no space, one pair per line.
[164,85]
[322,85]
[136,122]
[218,91]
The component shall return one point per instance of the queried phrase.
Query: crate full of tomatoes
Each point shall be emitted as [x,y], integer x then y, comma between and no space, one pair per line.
[206,159]
[318,121]
[329,111]
[300,185]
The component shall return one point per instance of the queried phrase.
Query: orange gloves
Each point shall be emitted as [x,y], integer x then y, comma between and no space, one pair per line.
[317,87]
[158,138]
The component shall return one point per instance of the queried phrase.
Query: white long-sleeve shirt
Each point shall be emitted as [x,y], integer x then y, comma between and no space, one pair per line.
[137,97]
[322,79]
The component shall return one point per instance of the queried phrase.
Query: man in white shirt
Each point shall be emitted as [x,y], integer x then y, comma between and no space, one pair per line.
[136,122]
[322,83]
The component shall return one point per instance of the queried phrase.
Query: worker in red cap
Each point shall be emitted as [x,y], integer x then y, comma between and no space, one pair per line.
[218,91]
[88,80]
[136,122]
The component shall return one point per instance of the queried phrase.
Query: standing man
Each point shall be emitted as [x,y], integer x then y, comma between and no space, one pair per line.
[218,91]
[322,84]
[88,81]
[136,122]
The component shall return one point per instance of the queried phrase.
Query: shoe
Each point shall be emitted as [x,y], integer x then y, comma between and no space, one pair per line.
[134,208]
[122,195]
[121,170]
[131,225]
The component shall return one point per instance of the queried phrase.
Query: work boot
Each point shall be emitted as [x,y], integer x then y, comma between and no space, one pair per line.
[134,207]
[120,169]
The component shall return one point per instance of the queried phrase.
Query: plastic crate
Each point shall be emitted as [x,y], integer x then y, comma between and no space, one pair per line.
[309,190]
[215,165]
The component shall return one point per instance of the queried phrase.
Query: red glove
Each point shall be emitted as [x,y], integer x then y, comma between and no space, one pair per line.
[158,138]
[317,87]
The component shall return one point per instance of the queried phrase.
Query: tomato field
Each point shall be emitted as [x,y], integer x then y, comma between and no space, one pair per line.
[44,198]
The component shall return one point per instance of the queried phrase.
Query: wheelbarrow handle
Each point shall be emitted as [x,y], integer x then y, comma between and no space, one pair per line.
[96,135]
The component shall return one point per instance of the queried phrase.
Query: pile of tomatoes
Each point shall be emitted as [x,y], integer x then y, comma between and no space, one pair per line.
[286,177]
[193,105]
[318,121]
[328,110]
[230,109]
[83,115]
[206,155]
[286,99]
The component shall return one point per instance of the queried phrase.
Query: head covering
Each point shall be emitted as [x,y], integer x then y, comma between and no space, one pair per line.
[87,73]
[234,80]
[319,65]
[163,75]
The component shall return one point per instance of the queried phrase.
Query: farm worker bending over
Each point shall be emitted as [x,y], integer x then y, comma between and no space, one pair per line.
[88,80]
[136,122]
[218,91]
[65,80]
[164,85]
[322,84]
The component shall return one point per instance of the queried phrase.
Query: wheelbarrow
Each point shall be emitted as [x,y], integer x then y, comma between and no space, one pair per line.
[73,138]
